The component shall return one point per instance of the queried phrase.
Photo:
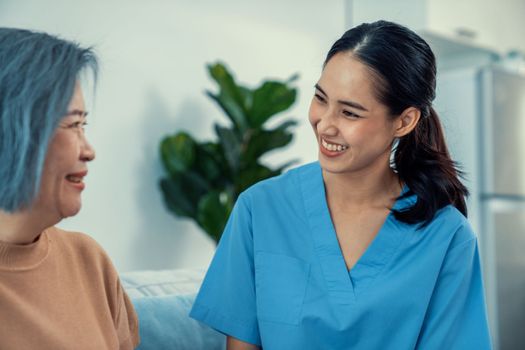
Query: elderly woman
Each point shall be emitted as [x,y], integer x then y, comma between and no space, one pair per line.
[58,290]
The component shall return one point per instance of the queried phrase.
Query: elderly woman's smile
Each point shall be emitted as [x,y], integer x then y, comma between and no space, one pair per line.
[76,179]
[65,166]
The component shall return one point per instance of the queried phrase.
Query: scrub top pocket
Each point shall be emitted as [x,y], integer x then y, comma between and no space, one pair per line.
[280,282]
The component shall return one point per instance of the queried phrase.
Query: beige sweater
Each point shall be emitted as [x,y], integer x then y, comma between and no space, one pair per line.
[62,292]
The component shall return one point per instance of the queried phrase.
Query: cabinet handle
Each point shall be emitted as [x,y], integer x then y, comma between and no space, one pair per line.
[466,33]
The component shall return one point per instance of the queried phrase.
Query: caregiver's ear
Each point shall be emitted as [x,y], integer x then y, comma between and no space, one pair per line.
[406,121]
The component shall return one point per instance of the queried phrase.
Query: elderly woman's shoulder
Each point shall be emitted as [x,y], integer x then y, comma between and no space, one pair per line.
[72,237]
[78,245]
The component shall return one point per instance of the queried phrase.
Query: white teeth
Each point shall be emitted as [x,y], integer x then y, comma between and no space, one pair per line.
[333,147]
[74,178]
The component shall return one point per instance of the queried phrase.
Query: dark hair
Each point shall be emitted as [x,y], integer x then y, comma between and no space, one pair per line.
[404,71]
[38,73]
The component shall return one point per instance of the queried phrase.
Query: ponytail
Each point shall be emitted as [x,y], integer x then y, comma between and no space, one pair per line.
[423,163]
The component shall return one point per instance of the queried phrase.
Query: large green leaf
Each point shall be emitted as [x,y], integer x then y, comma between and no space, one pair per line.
[215,151]
[213,214]
[177,152]
[231,109]
[231,146]
[176,199]
[231,97]
[269,99]
[183,191]
[251,176]
[258,172]
[262,141]
[208,161]
[247,96]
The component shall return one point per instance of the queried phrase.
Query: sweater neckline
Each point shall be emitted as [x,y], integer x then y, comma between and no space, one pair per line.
[16,257]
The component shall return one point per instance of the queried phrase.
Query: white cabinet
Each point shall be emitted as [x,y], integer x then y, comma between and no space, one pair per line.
[494,25]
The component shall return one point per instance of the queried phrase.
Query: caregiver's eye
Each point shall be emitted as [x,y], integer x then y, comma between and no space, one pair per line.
[320,98]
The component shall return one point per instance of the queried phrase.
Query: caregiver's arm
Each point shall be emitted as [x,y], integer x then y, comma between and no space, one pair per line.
[236,344]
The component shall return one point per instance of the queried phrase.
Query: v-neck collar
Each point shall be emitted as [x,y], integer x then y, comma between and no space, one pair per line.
[343,285]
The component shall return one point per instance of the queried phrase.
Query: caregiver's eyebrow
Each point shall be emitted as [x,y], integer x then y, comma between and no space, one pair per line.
[343,102]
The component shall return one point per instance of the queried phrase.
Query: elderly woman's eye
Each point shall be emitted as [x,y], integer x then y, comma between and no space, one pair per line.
[78,125]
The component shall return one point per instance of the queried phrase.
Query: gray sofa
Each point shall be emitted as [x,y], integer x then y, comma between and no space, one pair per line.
[163,300]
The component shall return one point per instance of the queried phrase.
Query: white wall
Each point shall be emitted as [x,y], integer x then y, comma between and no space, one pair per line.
[151,84]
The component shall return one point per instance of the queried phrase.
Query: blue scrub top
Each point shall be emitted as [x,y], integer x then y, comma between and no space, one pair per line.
[279,280]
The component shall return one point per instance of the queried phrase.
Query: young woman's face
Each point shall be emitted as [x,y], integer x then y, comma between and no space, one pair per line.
[354,130]
[66,163]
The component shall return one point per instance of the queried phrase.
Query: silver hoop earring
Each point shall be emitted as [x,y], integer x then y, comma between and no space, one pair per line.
[393,151]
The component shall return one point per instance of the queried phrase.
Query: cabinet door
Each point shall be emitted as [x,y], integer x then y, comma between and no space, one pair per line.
[488,24]
[509,238]
[457,104]
[504,127]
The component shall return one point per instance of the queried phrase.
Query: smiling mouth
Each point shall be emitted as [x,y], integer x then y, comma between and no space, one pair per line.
[333,147]
[76,179]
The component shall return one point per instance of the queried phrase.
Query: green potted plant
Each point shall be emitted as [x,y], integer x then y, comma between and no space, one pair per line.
[204,179]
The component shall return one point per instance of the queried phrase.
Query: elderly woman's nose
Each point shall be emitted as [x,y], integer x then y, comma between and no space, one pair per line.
[88,152]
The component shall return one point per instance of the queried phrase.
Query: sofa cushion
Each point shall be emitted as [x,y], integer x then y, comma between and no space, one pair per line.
[162,282]
[164,324]
[163,300]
